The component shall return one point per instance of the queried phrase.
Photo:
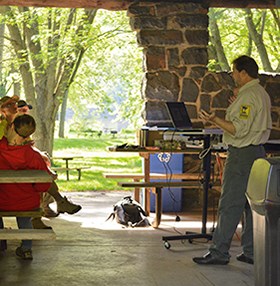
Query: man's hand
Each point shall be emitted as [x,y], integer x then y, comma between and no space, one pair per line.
[232,99]
[226,125]
[207,117]
[234,96]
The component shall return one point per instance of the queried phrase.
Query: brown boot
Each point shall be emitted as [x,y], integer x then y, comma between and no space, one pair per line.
[48,212]
[65,206]
[38,223]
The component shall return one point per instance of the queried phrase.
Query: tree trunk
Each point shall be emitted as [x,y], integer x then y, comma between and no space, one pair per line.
[16,83]
[249,45]
[276,17]
[216,41]
[256,37]
[63,116]
[46,76]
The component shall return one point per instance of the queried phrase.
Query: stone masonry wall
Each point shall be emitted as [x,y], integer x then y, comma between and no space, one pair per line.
[174,37]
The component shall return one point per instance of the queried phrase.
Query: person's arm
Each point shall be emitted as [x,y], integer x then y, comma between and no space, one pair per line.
[226,125]
[36,162]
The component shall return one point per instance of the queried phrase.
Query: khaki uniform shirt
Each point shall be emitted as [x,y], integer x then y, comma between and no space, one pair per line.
[250,114]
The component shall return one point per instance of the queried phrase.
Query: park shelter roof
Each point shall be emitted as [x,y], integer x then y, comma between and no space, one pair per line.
[123,4]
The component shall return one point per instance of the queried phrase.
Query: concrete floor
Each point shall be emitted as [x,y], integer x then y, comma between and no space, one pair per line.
[90,251]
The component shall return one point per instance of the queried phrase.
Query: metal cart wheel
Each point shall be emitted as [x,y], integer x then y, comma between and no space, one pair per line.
[167,245]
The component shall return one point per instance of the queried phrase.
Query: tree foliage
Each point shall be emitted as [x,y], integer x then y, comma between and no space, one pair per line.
[110,76]
[47,46]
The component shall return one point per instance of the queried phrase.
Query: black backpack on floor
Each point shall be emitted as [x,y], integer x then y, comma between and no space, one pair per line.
[128,212]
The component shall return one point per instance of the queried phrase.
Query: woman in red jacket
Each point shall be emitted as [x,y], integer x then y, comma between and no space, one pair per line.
[17,153]
[9,110]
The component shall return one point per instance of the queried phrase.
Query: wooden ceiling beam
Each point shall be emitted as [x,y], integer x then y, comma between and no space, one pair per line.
[123,4]
[241,3]
[115,5]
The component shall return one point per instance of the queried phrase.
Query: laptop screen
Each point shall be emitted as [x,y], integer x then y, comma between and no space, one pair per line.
[179,115]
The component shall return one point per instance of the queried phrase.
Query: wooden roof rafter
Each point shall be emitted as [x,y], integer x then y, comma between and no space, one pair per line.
[123,4]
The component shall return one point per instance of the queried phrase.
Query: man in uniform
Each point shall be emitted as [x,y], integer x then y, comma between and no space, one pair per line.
[246,128]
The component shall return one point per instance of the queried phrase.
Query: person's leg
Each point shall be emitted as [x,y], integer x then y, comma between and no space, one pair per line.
[46,200]
[226,224]
[231,205]
[3,243]
[54,192]
[24,250]
[37,223]
[25,223]
[63,205]
[247,233]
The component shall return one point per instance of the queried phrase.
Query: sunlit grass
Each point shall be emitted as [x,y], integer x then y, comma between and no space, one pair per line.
[95,155]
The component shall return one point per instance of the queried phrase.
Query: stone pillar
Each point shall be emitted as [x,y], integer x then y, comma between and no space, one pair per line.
[174,37]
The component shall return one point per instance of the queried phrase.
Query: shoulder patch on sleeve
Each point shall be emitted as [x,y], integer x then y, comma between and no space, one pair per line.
[244,111]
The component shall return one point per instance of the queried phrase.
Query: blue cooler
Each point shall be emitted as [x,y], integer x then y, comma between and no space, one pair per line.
[171,197]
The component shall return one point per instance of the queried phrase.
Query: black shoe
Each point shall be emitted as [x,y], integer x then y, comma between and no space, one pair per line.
[3,245]
[243,258]
[208,258]
[25,254]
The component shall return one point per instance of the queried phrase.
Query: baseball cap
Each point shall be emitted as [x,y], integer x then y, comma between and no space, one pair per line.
[22,103]
[5,100]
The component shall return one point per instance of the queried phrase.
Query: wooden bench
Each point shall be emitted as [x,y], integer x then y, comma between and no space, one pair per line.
[79,169]
[25,233]
[19,234]
[137,177]
[24,176]
[156,188]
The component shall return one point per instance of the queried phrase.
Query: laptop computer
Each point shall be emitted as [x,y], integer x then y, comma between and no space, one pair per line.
[181,121]
[179,116]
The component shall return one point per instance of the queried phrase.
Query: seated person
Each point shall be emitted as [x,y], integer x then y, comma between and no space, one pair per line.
[9,110]
[23,107]
[18,154]
[46,199]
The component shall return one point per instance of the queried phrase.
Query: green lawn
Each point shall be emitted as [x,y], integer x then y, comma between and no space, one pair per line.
[95,155]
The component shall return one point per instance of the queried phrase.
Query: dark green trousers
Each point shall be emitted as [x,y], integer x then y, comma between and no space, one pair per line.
[233,202]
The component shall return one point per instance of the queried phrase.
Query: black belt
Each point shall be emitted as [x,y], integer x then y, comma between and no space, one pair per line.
[251,145]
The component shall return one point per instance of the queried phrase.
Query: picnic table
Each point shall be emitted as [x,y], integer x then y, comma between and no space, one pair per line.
[24,176]
[68,158]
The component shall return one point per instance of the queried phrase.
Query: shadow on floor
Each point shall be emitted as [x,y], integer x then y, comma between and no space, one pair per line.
[89,251]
